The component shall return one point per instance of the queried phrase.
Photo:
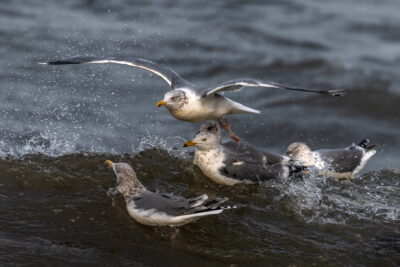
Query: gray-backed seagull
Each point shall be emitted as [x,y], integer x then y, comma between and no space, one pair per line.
[231,163]
[158,209]
[340,163]
[194,103]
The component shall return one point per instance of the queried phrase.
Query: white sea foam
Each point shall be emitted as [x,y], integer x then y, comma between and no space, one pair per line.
[326,200]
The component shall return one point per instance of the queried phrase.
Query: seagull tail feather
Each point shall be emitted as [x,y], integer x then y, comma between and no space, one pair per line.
[215,204]
[238,108]
[373,147]
[364,144]
[209,205]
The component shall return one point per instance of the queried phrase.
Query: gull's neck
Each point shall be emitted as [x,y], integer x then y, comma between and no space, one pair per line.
[206,156]
[213,148]
[129,186]
[307,158]
[130,189]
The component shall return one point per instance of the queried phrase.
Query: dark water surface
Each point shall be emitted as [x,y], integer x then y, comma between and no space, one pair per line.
[60,123]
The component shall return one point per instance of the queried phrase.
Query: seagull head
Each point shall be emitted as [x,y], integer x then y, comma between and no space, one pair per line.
[127,182]
[207,138]
[174,100]
[301,153]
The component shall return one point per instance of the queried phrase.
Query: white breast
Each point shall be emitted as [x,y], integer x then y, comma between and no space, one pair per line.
[210,162]
[154,218]
[200,109]
[147,217]
[365,158]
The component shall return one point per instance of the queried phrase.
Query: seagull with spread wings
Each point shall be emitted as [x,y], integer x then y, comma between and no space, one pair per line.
[193,103]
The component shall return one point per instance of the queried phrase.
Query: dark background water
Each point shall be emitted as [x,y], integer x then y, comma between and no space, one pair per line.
[59,123]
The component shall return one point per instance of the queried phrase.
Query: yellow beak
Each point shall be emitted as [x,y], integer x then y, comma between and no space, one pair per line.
[189,143]
[109,163]
[161,103]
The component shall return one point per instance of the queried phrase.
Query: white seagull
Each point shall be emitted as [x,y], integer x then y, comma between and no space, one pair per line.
[190,102]
[340,163]
[158,209]
[231,163]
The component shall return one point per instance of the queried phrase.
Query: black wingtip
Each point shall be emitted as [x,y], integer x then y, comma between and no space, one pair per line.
[62,62]
[339,92]
[364,143]
[373,147]
[71,60]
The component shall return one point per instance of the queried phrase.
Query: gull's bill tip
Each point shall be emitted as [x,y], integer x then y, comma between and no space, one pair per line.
[189,143]
[161,103]
[109,163]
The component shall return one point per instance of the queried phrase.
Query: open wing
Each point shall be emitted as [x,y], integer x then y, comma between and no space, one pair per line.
[168,75]
[248,82]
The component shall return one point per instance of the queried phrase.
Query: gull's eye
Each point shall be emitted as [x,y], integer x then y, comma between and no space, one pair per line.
[174,98]
[204,139]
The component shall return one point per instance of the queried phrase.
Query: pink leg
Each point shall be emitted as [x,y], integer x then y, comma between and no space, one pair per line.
[227,126]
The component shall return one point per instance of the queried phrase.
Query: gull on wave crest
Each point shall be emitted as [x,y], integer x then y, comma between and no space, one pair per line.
[231,163]
[161,209]
[340,163]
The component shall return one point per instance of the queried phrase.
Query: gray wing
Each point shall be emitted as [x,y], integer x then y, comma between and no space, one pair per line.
[176,205]
[254,172]
[342,160]
[246,152]
[248,82]
[245,162]
[168,75]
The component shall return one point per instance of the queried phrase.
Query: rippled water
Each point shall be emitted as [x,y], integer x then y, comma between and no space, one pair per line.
[60,123]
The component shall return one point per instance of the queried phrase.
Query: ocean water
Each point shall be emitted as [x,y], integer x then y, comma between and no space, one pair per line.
[60,123]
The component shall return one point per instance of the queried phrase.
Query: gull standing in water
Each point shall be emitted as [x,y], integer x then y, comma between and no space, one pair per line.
[340,163]
[158,209]
[194,103]
[233,163]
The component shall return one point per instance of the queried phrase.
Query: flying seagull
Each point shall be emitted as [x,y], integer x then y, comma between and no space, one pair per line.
[190,102]
[231,163]
[160,209]
[340,163]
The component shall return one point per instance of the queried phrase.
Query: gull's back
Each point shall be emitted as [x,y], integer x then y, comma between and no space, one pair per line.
[342,160]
